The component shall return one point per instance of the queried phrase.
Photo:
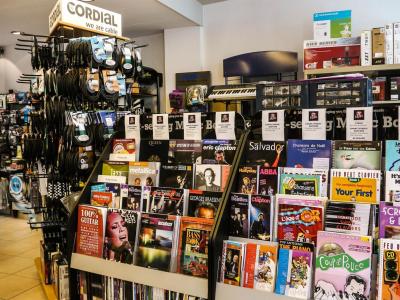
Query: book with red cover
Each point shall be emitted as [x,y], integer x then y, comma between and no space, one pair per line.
[91,229]
[193,246]
[102,199]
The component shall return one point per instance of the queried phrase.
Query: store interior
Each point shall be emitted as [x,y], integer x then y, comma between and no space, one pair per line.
[199,149]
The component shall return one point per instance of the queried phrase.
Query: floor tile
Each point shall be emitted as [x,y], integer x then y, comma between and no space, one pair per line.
[15,248]
[32,253]
[35,293]
[12,286]
[30,272]
[15,264]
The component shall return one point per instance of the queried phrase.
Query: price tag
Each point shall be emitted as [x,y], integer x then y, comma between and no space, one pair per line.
[225,125]
[273,125]
[313,124]
[160,127]
[359,123]
[132,127]
[192,126]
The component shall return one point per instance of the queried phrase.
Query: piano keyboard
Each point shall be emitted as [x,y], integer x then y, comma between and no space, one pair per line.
[234,92]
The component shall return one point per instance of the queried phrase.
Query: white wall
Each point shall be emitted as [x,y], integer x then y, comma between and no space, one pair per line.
[153,57]
[239,26]
[12,65]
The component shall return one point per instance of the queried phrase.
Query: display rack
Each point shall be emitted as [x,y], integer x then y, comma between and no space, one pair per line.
[170,281]
[47,288]
[226,291]
[353,69]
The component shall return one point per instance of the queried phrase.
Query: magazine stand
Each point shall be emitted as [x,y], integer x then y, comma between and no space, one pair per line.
[166,280]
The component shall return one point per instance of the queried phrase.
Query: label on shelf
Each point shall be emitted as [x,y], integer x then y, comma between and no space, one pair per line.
[132,127]
[314,124]
[192,126]
[160,127]
[273,125]
[359,123]
[225,125]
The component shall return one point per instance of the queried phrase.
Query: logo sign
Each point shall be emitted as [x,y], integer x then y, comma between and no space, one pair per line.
[86,16]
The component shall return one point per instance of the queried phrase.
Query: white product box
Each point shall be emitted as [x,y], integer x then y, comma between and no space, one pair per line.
[389,44]
[396,43]
[366,48]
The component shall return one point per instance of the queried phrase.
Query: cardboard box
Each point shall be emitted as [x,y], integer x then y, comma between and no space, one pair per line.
[332,53]
[396,43]
[334,24]
[378,46]
[389,44]
[366,48]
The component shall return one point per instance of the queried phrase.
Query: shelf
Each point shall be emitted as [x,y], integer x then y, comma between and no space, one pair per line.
[352,69]
[170,281]
[47,288]
[386,102]
[226,291]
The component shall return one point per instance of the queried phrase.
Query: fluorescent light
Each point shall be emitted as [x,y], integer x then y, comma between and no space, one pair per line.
[86,0]
[16,32]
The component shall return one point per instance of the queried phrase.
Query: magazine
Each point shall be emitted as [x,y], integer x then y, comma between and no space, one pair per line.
[247,180]
[176,176]
[134,199]
[322,173]
[232,262]
[299,218]
[185,152]
[143,173]
[260,266]
[343,265]
[389,220]
[221,152]
[154,150]
[388,273]
[193,246]
[356,155]
[101,199]
[157,242]
[261,217]
[211,178]
[202,204]
[294,272]
[392,155]
[123,146]
[362,186]
[114,188]
[313,154]
[392,186]
[167,201]
[120,235]
[298,184]
[350,218]
[267,181]
[268,154]
[90,230]
[239,215]
[115,168]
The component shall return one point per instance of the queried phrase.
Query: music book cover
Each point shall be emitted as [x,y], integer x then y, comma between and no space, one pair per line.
[239,215]
[185,152]
[389,220]
[114,188]
[167,201]
[154,150]
[392,186]
[294,272]
[392,155]
[220,152]
[202,204]
[211,178]
[309,154]
[193,246]
[260,266]
[123,146]
[356,155]
[232,262]
[299,218]
[299,184]
[247,180]
[389,271]
[323,174]
[121,235]
[261,217]
[134,199]
[90,230]
[157,242]
[361,186]
[143,173]
[343,265]
[267,181]
[266,153]
[176,176]
[101,199]
[115,168]
[349,218]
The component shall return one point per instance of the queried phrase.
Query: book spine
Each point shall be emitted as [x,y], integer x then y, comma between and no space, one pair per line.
[223,260]
[389,44]
[396,43]
[366,48]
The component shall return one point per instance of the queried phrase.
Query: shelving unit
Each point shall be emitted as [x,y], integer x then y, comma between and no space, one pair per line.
[170,281]
[47,288]
[386,102]
[352,69]
[226,291]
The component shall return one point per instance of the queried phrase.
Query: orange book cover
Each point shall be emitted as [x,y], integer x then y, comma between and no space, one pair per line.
[101,199]
[250,262]
[224,176]
[193,246]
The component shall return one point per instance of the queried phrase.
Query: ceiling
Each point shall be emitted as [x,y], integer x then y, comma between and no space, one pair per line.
[139,17]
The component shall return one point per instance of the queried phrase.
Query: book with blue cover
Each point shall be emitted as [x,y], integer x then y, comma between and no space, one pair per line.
[392,155]
[309,154]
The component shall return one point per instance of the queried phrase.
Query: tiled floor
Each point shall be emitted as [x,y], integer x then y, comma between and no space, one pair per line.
[18,248]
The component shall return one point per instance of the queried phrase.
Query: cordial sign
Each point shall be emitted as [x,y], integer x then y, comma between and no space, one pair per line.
[84,15]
